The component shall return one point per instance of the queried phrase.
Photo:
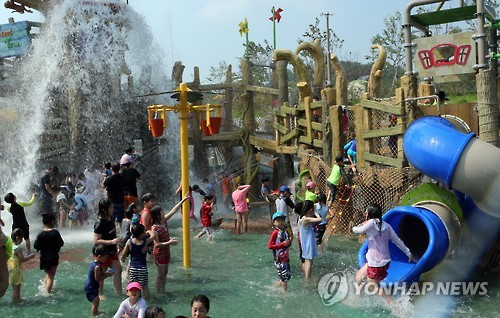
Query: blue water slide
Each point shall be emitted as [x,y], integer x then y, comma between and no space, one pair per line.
[431,229]
[425,234]
[459,161]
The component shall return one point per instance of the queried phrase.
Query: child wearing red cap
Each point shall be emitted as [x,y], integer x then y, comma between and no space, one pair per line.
[134,306]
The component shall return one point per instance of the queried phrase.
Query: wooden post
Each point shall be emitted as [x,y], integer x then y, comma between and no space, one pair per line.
[487,107]
[398,100]
[410,89]
[426,89]
[282,95]
[227,106]
[177,71]
[363,121]
[199,151]
[250,164]
[247,98]
[335,133]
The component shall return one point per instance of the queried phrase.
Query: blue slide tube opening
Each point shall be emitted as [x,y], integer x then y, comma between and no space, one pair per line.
[423,233]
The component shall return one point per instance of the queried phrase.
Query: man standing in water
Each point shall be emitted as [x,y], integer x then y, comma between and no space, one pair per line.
[130,176]
[46,192]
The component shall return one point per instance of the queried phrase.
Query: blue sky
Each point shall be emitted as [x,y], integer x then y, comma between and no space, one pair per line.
[204,33]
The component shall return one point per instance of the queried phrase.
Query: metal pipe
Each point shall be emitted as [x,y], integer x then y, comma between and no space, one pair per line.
[436,97]
[328,62]
[480,37]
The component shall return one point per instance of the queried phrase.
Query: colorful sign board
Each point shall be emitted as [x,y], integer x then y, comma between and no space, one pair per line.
[445,55]
[14,39]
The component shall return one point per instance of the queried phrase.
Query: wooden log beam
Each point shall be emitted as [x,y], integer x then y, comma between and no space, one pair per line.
[269,145]
[383,106]
[288,137]
[283,111]
[394,162]
[314,125]
[214,87]
[280,128]
[315,142]
[383,132]
[222,136]
[262,90]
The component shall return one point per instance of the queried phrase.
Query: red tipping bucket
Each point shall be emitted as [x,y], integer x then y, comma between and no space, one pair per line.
[215,123]
[156,127]
[204,128]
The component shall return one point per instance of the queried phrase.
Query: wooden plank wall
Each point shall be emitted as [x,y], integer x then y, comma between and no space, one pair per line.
[467,112]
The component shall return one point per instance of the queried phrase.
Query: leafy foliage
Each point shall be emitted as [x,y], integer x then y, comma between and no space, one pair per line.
[218,74]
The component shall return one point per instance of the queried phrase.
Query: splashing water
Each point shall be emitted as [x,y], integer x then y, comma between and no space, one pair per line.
[69,93]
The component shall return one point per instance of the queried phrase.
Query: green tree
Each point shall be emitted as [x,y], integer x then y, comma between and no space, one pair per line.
[392,39]
[218,74]
[314,32]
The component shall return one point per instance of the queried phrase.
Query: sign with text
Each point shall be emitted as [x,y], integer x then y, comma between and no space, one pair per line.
[14,39]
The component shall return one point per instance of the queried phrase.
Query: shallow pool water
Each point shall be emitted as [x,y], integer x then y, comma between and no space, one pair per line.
[237,274]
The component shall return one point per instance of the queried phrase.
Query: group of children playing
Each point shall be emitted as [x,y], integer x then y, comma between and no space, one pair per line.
[48,243]
[311,228]
[148,231]
[313,216]
[141,233]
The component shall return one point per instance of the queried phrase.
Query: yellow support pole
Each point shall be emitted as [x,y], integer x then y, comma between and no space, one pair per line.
[186,231]
[184,108]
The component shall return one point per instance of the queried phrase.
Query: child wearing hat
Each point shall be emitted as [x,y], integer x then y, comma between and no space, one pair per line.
[279,243]
[311,192]
[134,305]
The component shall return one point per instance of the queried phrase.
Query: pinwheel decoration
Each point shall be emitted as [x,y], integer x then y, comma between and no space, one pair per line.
[275,17]
[276,14]
[244,29]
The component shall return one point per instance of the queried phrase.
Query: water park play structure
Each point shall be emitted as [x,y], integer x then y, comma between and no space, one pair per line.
[433,225]
[430,220]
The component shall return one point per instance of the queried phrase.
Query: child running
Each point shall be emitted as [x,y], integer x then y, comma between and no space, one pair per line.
[378,257]
[16,275]
[49,243]
[137,247]
[307,239]
[206,216]
[279,242]
[134,306]
[162,242]
[95,276]
[19,220]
